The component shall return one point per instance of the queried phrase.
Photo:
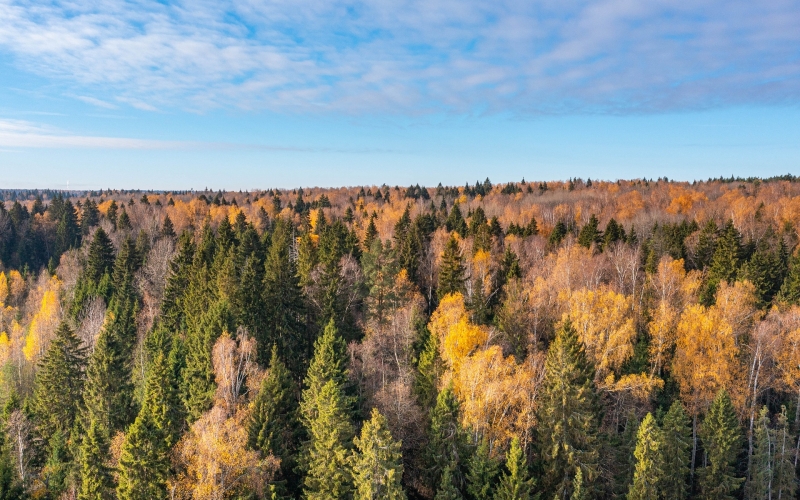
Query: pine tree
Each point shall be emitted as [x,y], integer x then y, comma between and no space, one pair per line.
[59,382]
[567,415]
[649,472]
[96,480]
[677,433]
[482,474]
[721,440]
[446,488]
[283,301]
[451,272]
[515,483]
[144,459]
[377,466]
[274,416]
[101,256]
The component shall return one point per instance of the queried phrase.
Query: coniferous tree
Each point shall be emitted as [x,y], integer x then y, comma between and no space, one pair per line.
[483,473]
[721,440]
[172,307]
[677,443]
[725,263]
[590,234]
[567,415]
[516,483]
[451,273]
[649,473]
[167,228]
[96,480]
[10,487]
[123,221]
[790,290]
[144,462]
[446,439]
[101,256]
[706,245]
[283,302]
[274,416]
[578,488]
[429,371]
[761,462]
[59,382]
[558,234]
[446,489]
[784,484]
[455,221]
[377,464]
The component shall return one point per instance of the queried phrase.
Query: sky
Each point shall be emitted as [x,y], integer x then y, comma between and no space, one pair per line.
[257,94]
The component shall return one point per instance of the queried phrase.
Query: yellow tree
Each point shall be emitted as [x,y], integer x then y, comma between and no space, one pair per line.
[44,323]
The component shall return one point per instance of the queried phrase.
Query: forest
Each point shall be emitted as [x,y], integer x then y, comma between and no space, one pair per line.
[572,340]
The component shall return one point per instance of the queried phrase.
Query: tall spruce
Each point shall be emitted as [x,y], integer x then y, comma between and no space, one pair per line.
[784,483]
[451,272]
[725,263]
[722,439]
[446,439]
[590,234]
[567,416]
[447,488]
[649,472]
[97,482]
[761,470]
[59,383]
[172,310]
[516,483]
[790,290]
[101,256]
[378,462]
[483,473]
[677,443]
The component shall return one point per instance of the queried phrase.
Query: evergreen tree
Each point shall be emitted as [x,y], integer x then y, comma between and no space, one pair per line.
[446,488]
[649,472]
[144,462]
[721,440]
[68,233]
[455,221]
[370,234]
[377,466]
[446,439]
[90,216]
[59,382]
[482,474]
[96,480]
[274,416]
[429,371]
[567,415]
[167,228]
[558,234]
[578,488]
[784,483]
[283,301]
[123,221]
[761,462]
[765,270]
[515,483]
[676,448]
[451,272]
[706,245]
[790,290]
[590,234]
[725,263]
[101,256]
[10,487]
[172,307]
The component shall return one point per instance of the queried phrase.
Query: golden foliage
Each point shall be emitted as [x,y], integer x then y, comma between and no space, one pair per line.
[44,322]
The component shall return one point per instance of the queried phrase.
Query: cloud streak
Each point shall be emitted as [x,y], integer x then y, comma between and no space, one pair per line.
[413,56]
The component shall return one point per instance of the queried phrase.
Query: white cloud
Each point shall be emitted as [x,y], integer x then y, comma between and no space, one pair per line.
[22,134]
[413,56]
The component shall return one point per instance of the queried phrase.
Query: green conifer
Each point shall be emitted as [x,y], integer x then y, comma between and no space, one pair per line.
[677,433]
[567,415]
[649,473]
[590,234]
[784,484]
[721,440]
[446,439]
[451,272]
[725,263]
[455,221]
[516,483]
[10,487]
[761,461]
[101,256]
[167,228]
[377,465]
[446,488]
[96,480]
[482,474]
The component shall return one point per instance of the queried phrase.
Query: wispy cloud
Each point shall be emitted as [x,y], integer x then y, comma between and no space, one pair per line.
[413,56]
[23,134]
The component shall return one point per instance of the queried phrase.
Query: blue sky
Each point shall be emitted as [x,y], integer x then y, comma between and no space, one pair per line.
[254,94]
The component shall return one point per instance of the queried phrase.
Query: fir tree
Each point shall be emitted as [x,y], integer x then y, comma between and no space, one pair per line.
[59,382]
[482,474]
[567,415]
[455,221]
[725,263]
[677,443]
[370,234]
[429,371]
[790,290]
[721,440]
[649,472]
[706,245]
[172,307]
[446,439]
[558,234]
[451,273]
[123,221]
[515,483]
[761,461]
[377,466]
[167,229]
[10,487]
[578,488]
[784,483]
[96,480]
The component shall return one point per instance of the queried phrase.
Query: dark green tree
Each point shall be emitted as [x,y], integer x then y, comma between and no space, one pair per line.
[10,487]
[649,472]
[725,263]
[455,221]
[590,234]
[446,489]
[482,474]
[101,256]
[446,439]
[677,442]
[790,290]
[167,228]
[721,439]
[451,272]
[96,480]
[567,415]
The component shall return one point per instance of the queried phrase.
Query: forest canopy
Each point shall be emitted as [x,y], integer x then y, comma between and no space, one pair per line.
[584,339]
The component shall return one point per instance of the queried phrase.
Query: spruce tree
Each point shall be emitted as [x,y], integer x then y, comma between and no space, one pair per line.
[451,272]
[482,474]
[455,221]
[96,480]
[172,307]
[722,441]
[790,290]
[649,471]
[167,228]
[274,416]
[101,256]
[784,484]
[378,463]
[10,487]
[590,234]
[676,449]
[578,488]
[761,462]
[429,370]
[446,489]
[706,245]
[446,439]
[144,462]
[59,383]
[567,415]
[725,263]
[283,301]
[516,483]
